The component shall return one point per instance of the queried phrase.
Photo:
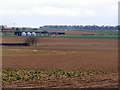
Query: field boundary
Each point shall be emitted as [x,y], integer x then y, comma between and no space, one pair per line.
[14,44]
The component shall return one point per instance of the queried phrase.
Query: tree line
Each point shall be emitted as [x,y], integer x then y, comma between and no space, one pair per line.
[78,27]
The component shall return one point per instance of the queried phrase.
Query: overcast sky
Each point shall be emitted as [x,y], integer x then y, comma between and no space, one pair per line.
[35,13]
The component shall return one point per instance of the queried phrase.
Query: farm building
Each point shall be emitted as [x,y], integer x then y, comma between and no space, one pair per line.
[37,33]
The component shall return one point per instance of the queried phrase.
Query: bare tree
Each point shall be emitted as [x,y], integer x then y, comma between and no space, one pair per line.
[31,40]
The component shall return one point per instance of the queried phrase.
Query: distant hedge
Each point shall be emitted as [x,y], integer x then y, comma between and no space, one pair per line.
[14,44]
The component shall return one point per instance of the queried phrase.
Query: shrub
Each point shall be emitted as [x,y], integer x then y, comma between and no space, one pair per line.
[31,40]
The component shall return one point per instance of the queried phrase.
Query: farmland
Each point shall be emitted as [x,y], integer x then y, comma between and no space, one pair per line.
[78,34]
[61,62]
[90,34]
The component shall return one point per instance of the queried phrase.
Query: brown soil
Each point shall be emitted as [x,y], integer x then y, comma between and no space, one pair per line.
[95,54]
[106,61]
[61,41]
[73,32]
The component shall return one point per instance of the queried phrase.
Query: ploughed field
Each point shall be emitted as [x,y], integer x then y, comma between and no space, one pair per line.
[73,62]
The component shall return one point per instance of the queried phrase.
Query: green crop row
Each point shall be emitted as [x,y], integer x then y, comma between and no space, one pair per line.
[10,75]
[89,36]
[101,32]
[22,52]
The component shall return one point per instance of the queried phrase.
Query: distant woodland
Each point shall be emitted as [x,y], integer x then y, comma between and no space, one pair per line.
[78,27]
[67,28]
